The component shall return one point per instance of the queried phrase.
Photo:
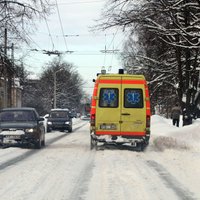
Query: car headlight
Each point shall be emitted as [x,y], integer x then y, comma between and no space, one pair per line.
[66,122]
[30,130]
[50,123]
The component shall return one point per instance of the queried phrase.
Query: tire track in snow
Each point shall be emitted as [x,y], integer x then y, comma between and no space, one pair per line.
[83,178]
[26,155]
[182,192]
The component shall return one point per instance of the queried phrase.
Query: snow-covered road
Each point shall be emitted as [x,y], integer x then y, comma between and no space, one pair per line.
[66,169]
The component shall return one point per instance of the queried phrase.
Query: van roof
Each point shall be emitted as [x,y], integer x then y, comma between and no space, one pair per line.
[135,76]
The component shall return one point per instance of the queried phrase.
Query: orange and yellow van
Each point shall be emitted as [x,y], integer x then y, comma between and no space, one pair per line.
[120,110]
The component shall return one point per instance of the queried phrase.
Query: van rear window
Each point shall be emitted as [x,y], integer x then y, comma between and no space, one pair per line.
[109,97]
[133,98]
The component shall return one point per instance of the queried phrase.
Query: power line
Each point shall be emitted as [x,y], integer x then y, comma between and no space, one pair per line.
[81,2]
[80,35]
[31,39]
[61,24]
[49,32]
[75,52]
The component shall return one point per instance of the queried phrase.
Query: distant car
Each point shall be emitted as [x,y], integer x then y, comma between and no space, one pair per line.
[21,126]
[85,117]
[73,114]
[59,119]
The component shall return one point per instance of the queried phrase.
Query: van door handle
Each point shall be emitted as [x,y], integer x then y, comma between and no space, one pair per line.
[125,113]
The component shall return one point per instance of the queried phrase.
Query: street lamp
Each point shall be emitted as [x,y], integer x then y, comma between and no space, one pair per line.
[55,86]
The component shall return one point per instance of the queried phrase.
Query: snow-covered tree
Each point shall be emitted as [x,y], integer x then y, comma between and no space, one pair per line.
[168,36]
[18,17]
[68,85]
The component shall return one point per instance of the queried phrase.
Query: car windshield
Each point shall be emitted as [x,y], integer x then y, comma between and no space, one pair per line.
[59,114]
[17,115]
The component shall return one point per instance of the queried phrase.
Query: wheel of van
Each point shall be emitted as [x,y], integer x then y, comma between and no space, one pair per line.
[140,146]
[93,143]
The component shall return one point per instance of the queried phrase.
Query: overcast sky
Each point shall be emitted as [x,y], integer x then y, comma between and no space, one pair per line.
[73,18]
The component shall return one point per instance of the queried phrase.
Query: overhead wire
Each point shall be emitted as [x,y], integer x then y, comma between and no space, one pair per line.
[51,38]
[61,25]
[78,52]
[81,2]
[112,43]
[114,35]
[113,50]
[109,68]
[104,62]
[47,25]
[105,50]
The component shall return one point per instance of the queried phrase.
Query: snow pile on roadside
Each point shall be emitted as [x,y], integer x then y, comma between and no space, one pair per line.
[171,137]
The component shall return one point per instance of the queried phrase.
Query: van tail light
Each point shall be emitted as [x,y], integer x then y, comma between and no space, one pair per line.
[148,121]
[92,120]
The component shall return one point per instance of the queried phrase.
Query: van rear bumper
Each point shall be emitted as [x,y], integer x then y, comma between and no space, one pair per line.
[120,139]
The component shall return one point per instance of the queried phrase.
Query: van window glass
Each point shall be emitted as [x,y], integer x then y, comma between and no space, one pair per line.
[109,97]
[133,98]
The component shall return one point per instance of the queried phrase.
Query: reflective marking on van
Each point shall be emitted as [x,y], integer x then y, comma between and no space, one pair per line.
[133,82]
[117,81]
[120,133]
[104,81]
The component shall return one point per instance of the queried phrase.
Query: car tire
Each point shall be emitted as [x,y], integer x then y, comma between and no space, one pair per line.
[48,130]
[70,130]
[38,144]
[43,143]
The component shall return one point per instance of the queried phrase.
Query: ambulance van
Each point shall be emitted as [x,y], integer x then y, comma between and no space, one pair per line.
[120,110]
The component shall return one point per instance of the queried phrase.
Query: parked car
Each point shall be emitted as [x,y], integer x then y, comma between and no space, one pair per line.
[21,126]
[59,119]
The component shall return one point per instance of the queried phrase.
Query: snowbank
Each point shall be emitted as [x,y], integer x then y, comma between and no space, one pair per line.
[166,136]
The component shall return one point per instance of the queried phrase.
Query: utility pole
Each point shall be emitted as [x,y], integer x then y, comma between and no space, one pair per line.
[5,69]
[54,90]
[12,99]
[55,87]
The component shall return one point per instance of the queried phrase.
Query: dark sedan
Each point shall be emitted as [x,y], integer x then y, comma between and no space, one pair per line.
[21,126]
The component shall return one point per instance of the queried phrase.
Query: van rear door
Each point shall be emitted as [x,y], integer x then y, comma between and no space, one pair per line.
[133,106]
[108,110]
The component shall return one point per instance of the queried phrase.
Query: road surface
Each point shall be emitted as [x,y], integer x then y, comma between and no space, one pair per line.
[66,169]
